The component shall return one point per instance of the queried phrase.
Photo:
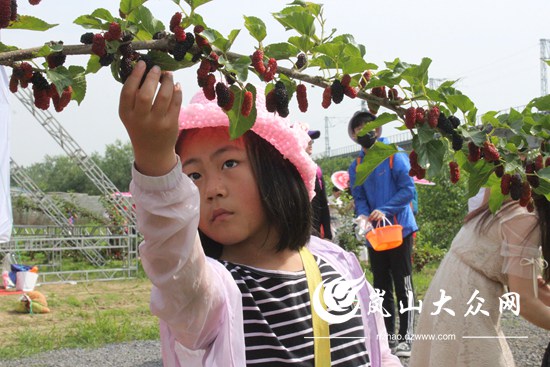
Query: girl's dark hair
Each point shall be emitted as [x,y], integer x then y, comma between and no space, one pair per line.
[283,193]
[542,206]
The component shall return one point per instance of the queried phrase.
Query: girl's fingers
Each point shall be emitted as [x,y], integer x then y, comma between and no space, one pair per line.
[175,104]
[164,95]
[146,93]
[128,92]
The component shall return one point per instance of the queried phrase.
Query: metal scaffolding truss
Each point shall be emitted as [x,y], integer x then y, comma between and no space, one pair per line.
[74,151]
[49,208]
[117,242]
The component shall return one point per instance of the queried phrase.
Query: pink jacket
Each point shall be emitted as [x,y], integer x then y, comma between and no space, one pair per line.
[195,297]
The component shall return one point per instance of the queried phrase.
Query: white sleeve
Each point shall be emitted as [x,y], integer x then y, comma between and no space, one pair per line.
[185,291]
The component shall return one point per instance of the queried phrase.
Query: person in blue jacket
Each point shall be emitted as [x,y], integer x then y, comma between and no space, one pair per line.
[388,192]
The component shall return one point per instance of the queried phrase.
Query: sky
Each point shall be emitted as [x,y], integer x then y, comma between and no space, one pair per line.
[492,50]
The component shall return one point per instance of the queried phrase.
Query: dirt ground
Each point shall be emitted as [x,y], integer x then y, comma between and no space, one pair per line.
[72,304]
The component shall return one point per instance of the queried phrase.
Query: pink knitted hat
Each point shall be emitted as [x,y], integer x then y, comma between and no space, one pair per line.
[289,141]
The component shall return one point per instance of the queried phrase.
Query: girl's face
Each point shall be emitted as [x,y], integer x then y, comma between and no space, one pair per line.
[231,211]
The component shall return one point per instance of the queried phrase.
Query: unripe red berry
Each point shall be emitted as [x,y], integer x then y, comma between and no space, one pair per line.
[490,152]
[410,117]
[474,152]
[327,97]
[301,96]
[433,116]
[454,171]
[175,21]
[246,107]
[505,184]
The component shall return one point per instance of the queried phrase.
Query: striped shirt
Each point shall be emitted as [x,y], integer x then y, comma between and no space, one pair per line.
[277,320]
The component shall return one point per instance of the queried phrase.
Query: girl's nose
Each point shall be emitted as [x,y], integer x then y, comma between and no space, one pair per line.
[215,188]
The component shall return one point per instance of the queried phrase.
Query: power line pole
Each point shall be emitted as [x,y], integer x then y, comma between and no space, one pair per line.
[544,56]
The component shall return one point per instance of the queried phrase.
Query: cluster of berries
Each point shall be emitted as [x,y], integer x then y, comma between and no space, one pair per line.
[336,91]
[267,73]
[417,116]
[416,169]
[518,189]
[488,152]
[8,11]
[277,100]
[43,91]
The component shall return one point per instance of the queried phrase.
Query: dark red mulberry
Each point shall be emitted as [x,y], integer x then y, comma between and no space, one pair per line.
[14,83]
[98,45]
[270,70]
[547,162]
[270,104]
[5,13]
[204,68]
[56,59]
[350,91]
[41,98]
[474,152]
[393,95]
[181,48]
[179,34]
[380,92]
[365,79]
[126,49]
[281,99]
[34,2]
[175,21]
[126,68]
[106,59]
[455,122]
[214,65]
[346,79]
[490,152]
[525,194]
[433,116]
[539,163]
[246,106]
[230,78]
[457,141]
[516,186]
[222,94]
[327,97]
[60,102]
[301,96]
[39,82]
[87,38]
[337,91]
[505,184]
[420,114]
[454,171]
[13,15]
[445,125]
[114,32]
[258,61]
[499,170]
[208,89]
[198,29]
[410,117]
[532,178]
[301,61]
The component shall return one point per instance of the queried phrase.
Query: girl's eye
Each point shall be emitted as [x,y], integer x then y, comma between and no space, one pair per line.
[230,164]
[194,176]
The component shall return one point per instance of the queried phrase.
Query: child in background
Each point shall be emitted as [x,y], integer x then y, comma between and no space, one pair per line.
[247,202]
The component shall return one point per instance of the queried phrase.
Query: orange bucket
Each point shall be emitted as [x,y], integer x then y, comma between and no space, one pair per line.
[385,237]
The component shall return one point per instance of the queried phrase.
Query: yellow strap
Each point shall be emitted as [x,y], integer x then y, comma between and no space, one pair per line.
[321,341]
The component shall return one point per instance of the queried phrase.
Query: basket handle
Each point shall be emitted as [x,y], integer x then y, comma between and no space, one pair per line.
[383,220]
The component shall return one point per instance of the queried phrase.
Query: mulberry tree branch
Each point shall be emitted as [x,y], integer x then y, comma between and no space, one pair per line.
[9,58]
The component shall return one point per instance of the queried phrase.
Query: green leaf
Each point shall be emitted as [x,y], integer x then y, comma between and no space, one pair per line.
[30,23]
[89,22]
[435,151]
[281,50]
[196,3]
[477,136]
[147,21]
[461,101]
[93,65]
[479,174]
[166,62]
[313,8]
[256,27]
[377,154]
[78,77]
[353,65]
[331,49]
[238,124]
[128,6]
[379,121]
[350,40]
[6,48]
[304,43]
[496,199]
[425,134]
[61,77]
[542,103]
[297,18]
[417,74]
[103,14]
[239,66]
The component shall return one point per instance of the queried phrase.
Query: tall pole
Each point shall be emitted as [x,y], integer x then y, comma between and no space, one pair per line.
[327,138]
[544,56]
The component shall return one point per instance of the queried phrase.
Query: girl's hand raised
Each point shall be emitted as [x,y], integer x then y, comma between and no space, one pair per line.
[151,121]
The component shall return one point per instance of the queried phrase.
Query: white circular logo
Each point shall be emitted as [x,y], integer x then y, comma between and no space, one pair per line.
[339,295]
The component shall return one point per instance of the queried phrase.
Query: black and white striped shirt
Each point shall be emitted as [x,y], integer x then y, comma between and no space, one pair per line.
[277,320]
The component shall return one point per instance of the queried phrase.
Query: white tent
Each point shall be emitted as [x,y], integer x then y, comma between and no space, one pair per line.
[6,219]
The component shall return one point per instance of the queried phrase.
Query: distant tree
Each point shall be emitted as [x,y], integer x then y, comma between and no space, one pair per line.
[117,164]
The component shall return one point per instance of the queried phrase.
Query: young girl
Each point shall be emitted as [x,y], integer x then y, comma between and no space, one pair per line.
[489,253]
[248,301]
